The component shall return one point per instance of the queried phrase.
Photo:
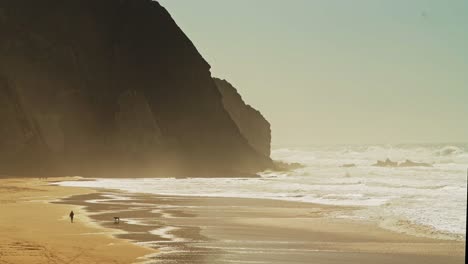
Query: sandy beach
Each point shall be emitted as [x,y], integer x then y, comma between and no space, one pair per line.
[193,230]
[33,230]
[236,230]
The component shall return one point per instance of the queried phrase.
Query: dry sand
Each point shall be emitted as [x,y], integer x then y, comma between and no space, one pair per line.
[194,230]
[35,231]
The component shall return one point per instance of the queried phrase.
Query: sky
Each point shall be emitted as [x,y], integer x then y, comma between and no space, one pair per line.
[340,72]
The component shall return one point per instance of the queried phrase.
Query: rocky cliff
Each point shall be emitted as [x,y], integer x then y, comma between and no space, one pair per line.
[251,122]
[111,88]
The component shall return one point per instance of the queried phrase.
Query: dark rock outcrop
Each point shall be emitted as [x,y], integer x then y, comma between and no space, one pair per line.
[111,88]
[409,163]
[251,122]
[285,166]
[386,163]
[406,163]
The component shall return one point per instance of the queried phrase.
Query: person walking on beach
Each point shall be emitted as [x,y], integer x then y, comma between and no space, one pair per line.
[71,216]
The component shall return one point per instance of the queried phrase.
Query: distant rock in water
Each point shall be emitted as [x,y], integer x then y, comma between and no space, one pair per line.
[284,166]
[115,88]
[253,126]
[386,163]
[348,165]
[406,163]
[409,163]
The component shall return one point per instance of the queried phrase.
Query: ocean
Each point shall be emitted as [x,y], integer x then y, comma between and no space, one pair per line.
[424,201]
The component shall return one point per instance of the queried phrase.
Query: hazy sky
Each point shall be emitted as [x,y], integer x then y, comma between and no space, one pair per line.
[335,71]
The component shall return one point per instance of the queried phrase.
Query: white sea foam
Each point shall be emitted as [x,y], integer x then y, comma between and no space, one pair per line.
[431,196]
[166,233]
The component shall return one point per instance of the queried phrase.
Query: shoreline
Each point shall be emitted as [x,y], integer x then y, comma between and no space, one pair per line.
[221,230]
[35,230]
[405,227]
[177,229]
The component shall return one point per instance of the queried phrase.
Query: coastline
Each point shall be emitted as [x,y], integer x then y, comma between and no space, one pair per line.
[241,230]
[34,230]
[177,229]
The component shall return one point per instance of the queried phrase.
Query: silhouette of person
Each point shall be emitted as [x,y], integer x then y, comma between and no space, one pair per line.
[71,216]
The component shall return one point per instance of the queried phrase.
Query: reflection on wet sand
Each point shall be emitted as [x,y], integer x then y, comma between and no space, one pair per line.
[235,230]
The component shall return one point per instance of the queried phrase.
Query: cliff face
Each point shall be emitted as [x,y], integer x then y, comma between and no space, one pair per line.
[110,88]
[251,122]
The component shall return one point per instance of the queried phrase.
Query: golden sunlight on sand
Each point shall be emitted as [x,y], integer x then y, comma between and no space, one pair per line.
[35,231]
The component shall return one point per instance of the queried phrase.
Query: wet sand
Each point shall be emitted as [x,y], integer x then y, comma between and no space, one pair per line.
[34,231]
[234,230]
